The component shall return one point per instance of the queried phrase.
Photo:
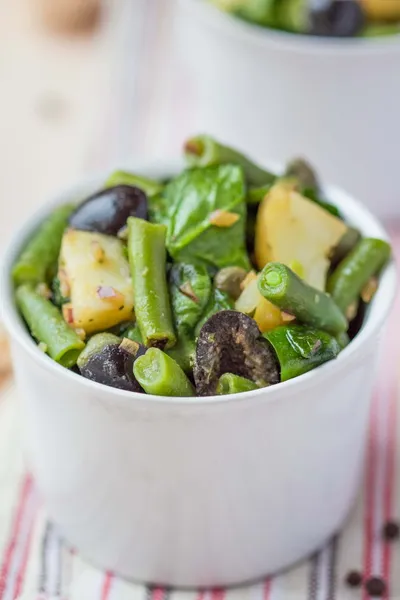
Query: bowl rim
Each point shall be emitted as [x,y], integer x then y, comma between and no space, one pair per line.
[351,208]
[286,41]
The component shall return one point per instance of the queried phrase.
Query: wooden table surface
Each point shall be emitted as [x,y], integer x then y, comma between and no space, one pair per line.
[56,93]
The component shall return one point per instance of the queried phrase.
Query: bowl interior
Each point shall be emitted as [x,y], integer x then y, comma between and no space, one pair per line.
[352,210]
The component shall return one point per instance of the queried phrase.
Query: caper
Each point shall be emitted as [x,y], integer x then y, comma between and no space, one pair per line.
[229,279]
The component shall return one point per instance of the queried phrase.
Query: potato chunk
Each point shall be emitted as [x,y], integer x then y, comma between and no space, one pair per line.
[95,272]
[292,229]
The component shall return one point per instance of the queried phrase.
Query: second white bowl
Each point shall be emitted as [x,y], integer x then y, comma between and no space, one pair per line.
[334,101]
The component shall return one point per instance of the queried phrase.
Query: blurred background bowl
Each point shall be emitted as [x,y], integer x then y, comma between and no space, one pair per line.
[334,101]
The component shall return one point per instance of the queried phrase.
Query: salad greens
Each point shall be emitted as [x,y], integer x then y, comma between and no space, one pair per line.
[223,279]
[194,199]
[332,18]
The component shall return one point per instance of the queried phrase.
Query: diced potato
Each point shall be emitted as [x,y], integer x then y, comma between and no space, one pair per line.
[267,316]
[249,298]
[252,303]
[99,282]
[292,229]
[382,10]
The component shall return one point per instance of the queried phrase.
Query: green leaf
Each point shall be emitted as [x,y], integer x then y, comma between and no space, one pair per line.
[191,199]
[190,289]
[218,301]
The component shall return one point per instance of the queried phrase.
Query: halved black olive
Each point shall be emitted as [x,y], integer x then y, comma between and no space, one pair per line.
[303,172]
[108,360]
[108,210]
[336,18]
[230,342]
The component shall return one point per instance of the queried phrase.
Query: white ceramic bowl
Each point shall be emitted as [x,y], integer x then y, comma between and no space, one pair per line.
[202,492]
[334,101]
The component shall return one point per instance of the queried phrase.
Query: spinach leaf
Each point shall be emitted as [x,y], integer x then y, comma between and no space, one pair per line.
[158,209]
[192,198]
[190,289]
[218,301]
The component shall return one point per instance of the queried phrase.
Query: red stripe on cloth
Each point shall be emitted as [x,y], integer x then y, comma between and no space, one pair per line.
[158,593]
[107,583]
[267,589]
[15,532]
[369,492]
[24,563]
[218,594]
[390,374]
[389,483]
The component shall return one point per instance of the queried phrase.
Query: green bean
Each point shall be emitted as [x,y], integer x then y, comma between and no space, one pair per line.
[133,333]
[348,279]
[345,245]
[301,170]
[147,258]
[204,151]
[300,349]
[183,352]
[281,286]
[229,383]
[256,194]
[38,261]
[160,375]
[149,186]
[380,29]
[343,339]
[47,326]
[313,194]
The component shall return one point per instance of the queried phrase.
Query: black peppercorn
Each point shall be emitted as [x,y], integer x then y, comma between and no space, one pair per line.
[375,586]
[354,579]
[391,531]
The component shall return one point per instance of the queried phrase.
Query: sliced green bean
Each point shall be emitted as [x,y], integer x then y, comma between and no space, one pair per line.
[229,383]
[133,333]
[314,195]
[343,339]
[301,170]
[281,286]
[184,351]
[147,258]
[151,187]
[300,349]
[160,375]
[348,279]
[256,194]
[47,326]
[345,245]
[204,151]
[38,261]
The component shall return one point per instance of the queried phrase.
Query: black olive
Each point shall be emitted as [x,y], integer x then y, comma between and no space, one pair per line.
[336,18]
[109,361]
[230,342]
[301,170]
[108,210]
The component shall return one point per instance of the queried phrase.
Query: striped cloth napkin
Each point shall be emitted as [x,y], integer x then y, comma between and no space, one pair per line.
[148,117]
